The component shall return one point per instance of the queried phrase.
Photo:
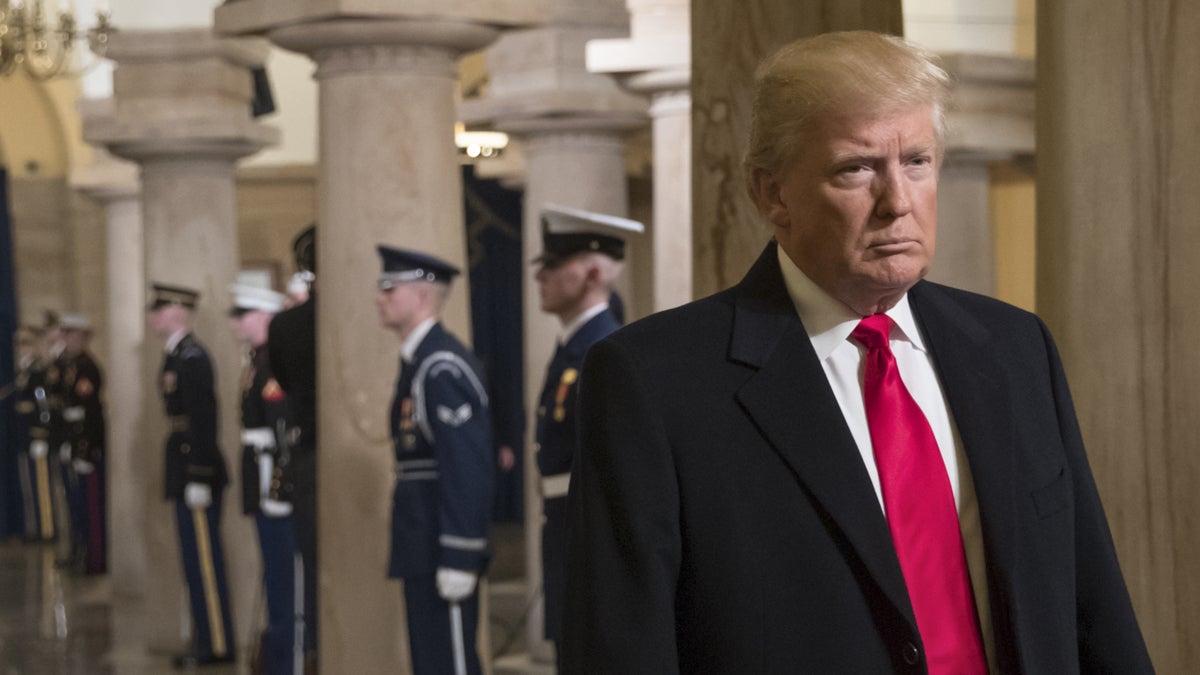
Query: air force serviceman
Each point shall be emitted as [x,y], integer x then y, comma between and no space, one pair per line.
[441,432]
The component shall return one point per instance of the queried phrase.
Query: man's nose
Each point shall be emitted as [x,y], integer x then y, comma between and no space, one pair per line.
[894,200]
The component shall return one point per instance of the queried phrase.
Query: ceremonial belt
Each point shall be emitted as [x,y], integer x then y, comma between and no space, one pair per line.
[260,438]
[73,414]
[179,423]
[556,485]
[416,469]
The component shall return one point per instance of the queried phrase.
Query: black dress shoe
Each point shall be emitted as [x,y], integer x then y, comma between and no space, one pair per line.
[189,661]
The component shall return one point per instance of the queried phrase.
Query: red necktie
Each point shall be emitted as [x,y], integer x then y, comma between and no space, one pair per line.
[920,511]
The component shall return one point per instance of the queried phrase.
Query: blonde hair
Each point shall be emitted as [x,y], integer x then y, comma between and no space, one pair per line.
[607,268]
[854,72]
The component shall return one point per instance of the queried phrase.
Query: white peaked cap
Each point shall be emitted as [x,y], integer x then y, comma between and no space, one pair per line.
[250,297]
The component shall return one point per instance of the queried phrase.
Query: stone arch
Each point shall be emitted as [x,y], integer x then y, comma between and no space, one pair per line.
[32,129]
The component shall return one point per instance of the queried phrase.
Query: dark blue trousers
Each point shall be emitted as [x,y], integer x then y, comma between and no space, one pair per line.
[431,629]
[204,570]
[285,626]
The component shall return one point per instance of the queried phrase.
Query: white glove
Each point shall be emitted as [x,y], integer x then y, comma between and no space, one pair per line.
[454,585]
[275,509]
[83,467]
[197,495]
[39,449]
[64,453]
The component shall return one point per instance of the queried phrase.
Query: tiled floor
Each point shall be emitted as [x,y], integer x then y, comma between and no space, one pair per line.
[57,623]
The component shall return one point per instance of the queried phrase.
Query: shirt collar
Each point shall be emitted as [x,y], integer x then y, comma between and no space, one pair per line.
[175,339]
[578,322]
[829,322]
[409,349]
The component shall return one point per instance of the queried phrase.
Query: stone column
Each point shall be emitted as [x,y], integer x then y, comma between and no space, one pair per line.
[991,119]
[570,125]
[656,60]
[388,173]
[114,186]
[182,112]
[1119,282]
[728,41]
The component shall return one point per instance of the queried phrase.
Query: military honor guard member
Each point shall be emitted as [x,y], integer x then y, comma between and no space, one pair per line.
[581,258]
[195,472]
[266,493]
[83,417]
[292,348]
[35,479]
[441,432]
[62,475]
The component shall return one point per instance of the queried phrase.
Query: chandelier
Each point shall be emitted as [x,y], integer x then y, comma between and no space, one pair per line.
[30,40]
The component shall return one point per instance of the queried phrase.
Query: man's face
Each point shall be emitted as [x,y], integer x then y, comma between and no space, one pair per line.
[74,340]
[166,319]
[857,209]
[398,306]
[563,286]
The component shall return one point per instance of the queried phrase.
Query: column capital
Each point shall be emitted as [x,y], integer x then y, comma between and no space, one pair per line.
[991,113]
[180,93]
[250,17]
[539,83]
[371,44]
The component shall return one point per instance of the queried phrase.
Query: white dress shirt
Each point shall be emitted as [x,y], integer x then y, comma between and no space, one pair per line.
[829,324]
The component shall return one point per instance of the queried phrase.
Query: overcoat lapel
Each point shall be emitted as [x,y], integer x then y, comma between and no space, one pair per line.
[980,399]
[790,401]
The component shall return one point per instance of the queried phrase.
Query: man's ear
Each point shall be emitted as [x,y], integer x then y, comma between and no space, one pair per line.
[766,192]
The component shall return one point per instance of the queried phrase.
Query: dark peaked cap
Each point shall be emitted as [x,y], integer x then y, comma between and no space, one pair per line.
[567,231]
[403,265]
[162,295]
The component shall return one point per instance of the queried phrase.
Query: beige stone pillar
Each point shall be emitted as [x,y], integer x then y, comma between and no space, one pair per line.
[570,124]
[182,113]
[388,173]
[114,186]
[656,60]
[1119,282]
[728,41]
[991,119]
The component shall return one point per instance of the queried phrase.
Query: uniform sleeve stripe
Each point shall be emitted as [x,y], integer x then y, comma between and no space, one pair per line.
[452,363]
[462,543]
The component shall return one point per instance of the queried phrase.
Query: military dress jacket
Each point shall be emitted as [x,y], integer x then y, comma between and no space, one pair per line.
[264,422]
[442,438]
[29,410]
[556,441]
[83,411]
[187,385]
[723,521]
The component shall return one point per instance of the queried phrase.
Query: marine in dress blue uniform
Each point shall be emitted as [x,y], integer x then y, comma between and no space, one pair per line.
[266,490]
[195,474]
[441,433]
[580,259]
[83,418]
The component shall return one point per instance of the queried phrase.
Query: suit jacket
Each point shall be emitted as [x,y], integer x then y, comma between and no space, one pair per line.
[723,521]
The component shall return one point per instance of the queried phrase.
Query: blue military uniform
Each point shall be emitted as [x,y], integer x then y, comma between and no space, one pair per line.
[187,386]
[556,444]
[441,508]
[267,491]
[567,233]
[83,415]
[33,426]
